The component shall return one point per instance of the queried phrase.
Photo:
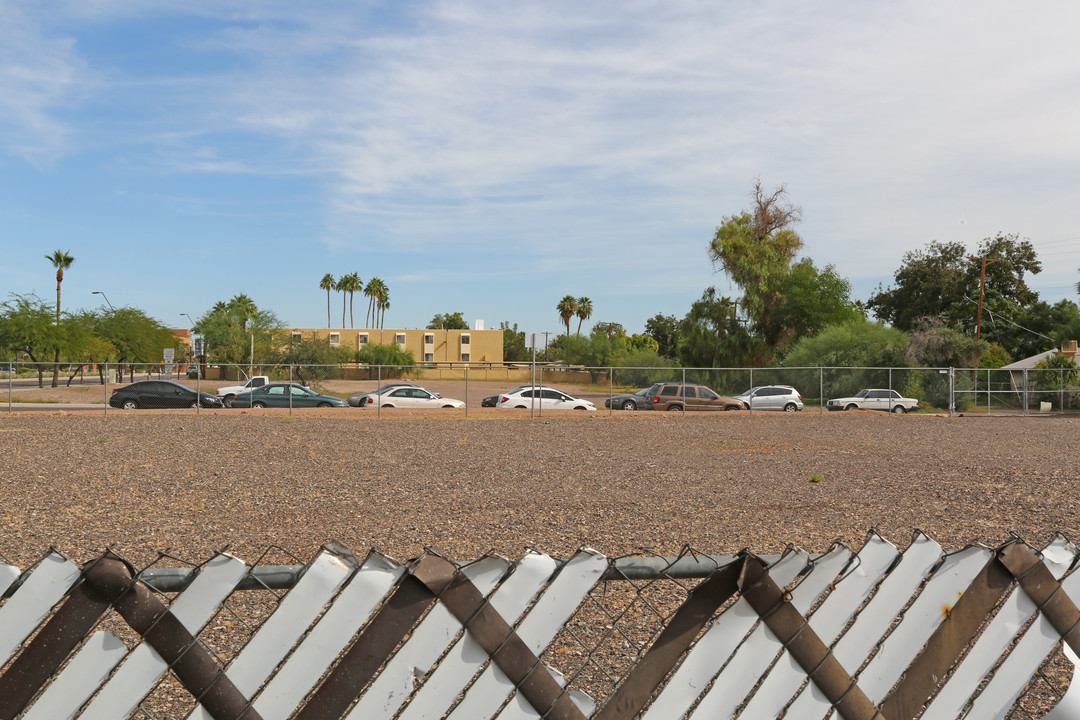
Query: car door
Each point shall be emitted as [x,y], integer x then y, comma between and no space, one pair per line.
[877,400]
[553,400]
[706,400]
[170,396]
[400,397]
[422,398]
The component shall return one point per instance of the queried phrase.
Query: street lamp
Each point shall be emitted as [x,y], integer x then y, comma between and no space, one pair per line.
[98,292]
[198,373]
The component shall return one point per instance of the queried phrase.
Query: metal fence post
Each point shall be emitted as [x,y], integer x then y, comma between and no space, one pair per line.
[290,390]
[106,387]
[611,390]
[11,375]
[466,391]
[378,397]
[1024,394]
[821,391]
[952,391]
[750,400]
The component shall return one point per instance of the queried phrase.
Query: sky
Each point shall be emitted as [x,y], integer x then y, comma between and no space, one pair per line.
[489,158]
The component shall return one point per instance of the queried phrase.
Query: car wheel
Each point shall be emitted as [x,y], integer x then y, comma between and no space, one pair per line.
[899,410]
[448,406]
[733,407]
[629,405]
[130,405]
[791,407]
[852,407]
[579,407]
[194,404]
[256,404]
[388,406]
[673,408]
[227,400]
[520,407]
[324,404]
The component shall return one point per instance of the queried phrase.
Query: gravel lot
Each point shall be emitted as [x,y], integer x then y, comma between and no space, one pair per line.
[150,480]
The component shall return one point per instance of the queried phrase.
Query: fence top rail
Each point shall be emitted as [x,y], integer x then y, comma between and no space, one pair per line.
[285,577]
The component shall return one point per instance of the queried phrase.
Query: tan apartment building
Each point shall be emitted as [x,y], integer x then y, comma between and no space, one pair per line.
[427,346]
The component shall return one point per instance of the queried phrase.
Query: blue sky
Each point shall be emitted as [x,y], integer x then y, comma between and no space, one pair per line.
[490,157]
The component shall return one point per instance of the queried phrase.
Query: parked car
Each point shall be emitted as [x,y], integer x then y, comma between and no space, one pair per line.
[629,401]
[285,395]
[875,399]
[411,397]
[490,401]
[360,399]
[155,394]
[543,398]
[679,396]
[772,397]
[193,372]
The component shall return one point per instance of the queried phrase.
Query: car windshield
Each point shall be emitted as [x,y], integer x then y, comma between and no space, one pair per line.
[642,392]
[862,393]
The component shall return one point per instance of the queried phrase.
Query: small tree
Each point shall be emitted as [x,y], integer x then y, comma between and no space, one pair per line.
[392,358]
[449,321]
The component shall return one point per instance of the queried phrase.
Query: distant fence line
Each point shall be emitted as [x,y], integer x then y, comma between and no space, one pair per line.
[982,390]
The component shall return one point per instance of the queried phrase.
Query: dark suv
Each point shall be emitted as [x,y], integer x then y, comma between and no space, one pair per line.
[680,396]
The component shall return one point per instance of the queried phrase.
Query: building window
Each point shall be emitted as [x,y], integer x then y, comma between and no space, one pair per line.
[464,339]
[297,337]
[361,339]
[464,357]
[400,339]
[335,338]
[429,339]
[429,357]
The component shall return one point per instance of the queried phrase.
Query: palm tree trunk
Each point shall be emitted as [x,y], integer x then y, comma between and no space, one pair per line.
[328,307]
[342,308]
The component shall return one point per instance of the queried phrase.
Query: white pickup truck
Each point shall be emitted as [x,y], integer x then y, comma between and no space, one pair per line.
[228,393]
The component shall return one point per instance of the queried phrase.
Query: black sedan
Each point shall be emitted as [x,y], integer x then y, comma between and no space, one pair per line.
[154,394]
[637,401]
[490,401]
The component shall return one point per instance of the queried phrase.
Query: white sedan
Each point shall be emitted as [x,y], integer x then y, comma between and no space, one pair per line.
[875,399]
[411,397]
[544,398]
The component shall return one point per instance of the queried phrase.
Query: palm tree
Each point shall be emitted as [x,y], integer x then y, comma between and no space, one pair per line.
[355,284]
[327,284]
[244,308]
[383,303]
[370,290]
[583,312]
[567,308]
[61,261]
[342,285]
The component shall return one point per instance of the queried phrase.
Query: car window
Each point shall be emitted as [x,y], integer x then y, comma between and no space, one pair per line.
[670,390]
[707,394]
[400,392]
[277,390]
[293,390]
[894,394]
[862,393]
[552,395]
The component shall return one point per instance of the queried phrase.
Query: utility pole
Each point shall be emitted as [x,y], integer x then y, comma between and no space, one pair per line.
[982,291]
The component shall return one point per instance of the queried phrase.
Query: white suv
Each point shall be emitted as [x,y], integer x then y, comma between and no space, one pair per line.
[772,397]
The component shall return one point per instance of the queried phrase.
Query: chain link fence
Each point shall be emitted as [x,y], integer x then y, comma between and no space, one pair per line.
[943,390]
[639,636]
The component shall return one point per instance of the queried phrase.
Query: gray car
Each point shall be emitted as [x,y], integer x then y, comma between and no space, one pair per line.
[772,397]
[628,401]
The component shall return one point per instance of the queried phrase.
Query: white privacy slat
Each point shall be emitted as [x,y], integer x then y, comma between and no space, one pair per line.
[1069,706]
[521,709]
[551,611]
[21,613]
[351,609]
[920,620]
[80,678]
[423,648]
[1013,674]
[282,629]
[144,667]
[996,638]
[466,657]
[8,575]
[828,621]
[715,646]
[755,655]
[873,621]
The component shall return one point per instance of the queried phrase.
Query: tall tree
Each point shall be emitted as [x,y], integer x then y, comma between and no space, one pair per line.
[382,302]
[584,311]
[943,279]
[61,261]
[327,283]
[353,284]
[756,250]
[710,336]
[664,329]
[567,308]
[342,286]
[371,290]
[243,308]
[449,321]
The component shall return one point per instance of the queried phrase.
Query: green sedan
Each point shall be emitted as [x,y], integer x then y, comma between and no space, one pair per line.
[283,395]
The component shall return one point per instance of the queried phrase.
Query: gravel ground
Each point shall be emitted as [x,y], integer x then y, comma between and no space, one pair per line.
[151,480]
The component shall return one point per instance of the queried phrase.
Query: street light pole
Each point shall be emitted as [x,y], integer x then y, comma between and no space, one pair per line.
[98,292]
[198,369]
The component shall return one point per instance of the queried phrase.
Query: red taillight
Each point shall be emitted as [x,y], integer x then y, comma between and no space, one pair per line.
[115,390]
[369,401]
[798,396]
[656,399]
[504,398]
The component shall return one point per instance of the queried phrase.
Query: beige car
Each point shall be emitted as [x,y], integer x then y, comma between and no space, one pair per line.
[679,396]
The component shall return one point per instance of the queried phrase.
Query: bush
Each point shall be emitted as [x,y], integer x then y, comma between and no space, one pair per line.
[391,356]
